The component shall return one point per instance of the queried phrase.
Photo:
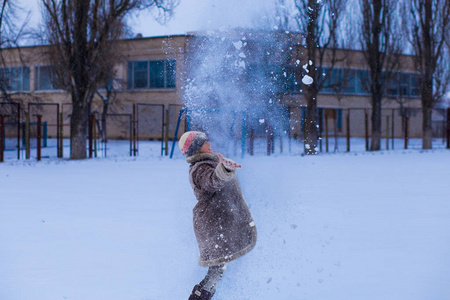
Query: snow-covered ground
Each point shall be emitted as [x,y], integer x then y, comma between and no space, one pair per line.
[356,225]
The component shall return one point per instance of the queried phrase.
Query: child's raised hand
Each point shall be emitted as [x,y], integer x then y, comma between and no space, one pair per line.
[228,163]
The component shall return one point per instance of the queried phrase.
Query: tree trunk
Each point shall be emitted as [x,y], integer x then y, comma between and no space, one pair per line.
[104,115]
[78,130]
[375,140]
[311,131]
[427,128]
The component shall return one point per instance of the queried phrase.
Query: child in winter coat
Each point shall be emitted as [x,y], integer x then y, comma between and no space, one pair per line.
[223,225]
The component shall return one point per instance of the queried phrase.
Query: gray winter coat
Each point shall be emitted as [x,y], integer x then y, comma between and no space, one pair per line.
[223,225]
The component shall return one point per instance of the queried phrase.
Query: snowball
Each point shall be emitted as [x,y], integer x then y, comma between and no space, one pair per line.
[237,45]
[275,27]
[261,121]
[307,80]
[310,63]
[305,67]
[297,61]
[307,146]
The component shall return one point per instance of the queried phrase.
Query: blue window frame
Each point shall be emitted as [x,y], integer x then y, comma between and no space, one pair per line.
[15,79]
[43,78]
[154,74]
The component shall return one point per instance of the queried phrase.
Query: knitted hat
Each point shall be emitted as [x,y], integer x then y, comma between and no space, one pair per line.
[191,142]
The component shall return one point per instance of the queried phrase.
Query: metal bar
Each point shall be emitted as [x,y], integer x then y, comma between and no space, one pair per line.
[58,133]
[162,129]
[18,130]
[448,128]
[2,138]
[38,135]
[61,135]
[366,122]
[134,133]
[387,132]
[348,131]
[27,134]
[176,132]
[406,131]
[326,132]
[392,130]
[166,138]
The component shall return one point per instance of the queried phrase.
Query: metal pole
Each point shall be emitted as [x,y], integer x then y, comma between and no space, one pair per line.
[94,134]
[348,131]
[27,134]
[162,129]
[366,119]
[387,132]
[166,138]
[448,128]
[38,136]
[134,122]
[392,130]
[406,131]
[326,131]
[18,130]
[176,131]
[2,138]
[131,134]
[60,135]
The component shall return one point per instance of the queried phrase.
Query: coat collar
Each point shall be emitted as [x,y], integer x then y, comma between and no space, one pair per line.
[202,156]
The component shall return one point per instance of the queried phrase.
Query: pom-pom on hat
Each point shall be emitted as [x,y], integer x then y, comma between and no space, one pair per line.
[191,142]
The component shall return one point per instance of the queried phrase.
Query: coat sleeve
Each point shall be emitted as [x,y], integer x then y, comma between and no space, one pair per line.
[208,178]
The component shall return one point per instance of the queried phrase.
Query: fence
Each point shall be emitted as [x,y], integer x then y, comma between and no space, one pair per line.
[40,130]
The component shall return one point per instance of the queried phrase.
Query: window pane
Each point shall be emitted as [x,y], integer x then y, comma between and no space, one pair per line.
[349,81]
[45,79]
[16,79]
[392,85]
[170,73]
[415,85]
[362,80]
[140,74]
[404,84]
[26,79]
[157,74]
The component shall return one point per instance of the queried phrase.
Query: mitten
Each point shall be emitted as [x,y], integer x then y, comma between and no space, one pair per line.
[228,163]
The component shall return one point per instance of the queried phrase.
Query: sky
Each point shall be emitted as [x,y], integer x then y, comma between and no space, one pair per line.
[190,15]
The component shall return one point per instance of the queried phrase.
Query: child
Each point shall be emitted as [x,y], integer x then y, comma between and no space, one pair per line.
[223,225]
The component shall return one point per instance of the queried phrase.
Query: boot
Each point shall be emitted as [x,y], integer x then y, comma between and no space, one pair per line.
[200,294]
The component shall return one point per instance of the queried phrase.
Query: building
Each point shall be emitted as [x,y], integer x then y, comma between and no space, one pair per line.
[232,71]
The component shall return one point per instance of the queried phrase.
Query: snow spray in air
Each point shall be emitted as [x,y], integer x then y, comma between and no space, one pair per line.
[234,80]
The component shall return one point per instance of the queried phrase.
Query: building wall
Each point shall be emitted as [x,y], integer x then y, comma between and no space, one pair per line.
[152,103]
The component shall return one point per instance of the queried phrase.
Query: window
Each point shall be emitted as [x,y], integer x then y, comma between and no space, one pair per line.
[15,79]
[415,85]
[43,78]
[158,74]
[362,80]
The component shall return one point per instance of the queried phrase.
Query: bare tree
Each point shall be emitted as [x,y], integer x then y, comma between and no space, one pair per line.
[427,25]
[381,47]
[82,35]
[12,29]
[318,21]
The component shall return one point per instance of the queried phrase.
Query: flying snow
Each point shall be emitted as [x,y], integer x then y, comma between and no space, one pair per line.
[307,80]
